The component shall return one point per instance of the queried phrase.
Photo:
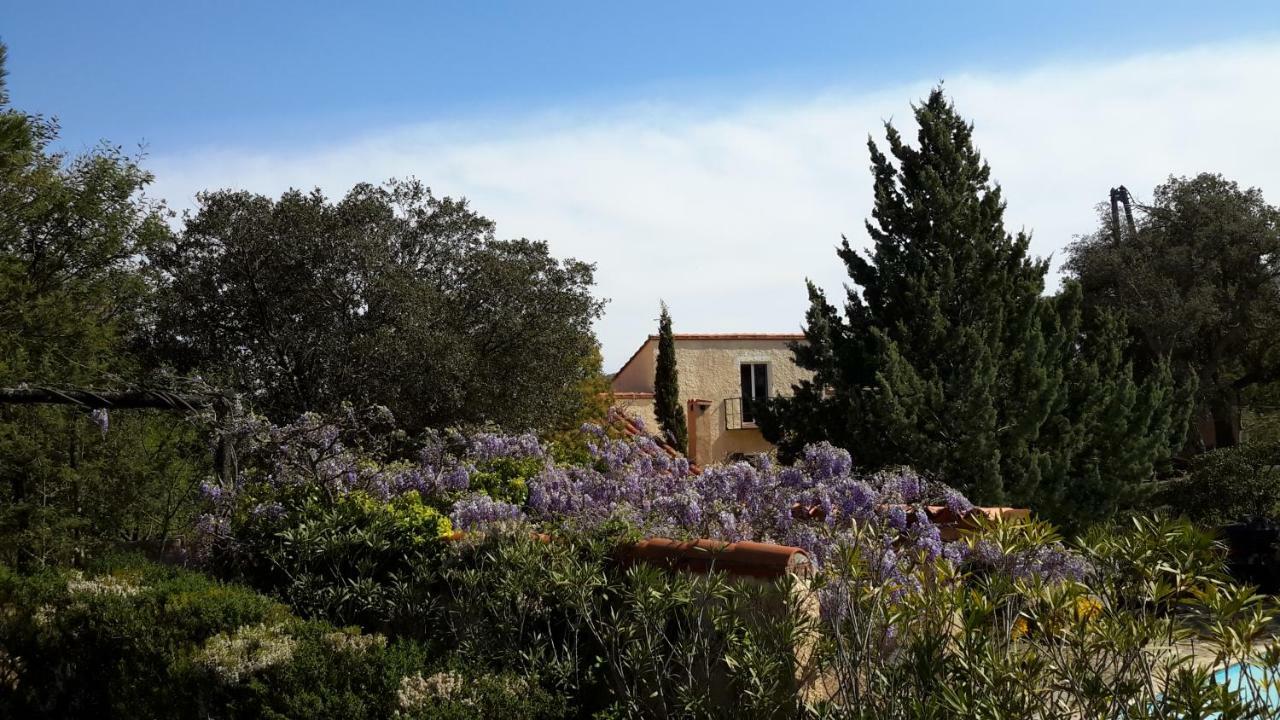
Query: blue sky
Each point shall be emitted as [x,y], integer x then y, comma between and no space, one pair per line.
[709,154]
[176,74]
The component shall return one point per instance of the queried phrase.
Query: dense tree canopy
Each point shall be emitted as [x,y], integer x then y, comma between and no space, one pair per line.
[72,230]
[947,358]
[389,296]
[1199,285]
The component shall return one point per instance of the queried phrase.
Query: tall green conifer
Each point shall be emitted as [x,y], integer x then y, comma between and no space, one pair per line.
[666,387]
[947,358]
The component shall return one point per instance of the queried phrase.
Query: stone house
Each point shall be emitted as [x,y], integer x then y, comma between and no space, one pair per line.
[721,375]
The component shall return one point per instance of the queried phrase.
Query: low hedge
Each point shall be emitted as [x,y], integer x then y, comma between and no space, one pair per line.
[1230,485]
[129,638]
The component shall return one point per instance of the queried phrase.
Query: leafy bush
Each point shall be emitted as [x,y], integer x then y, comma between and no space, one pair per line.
[627,641]
[132,639]
[294,473]
[76,483]
[1010,622]
[1230,485]
[896,633]
[550,629]
[324,514]
[107,638]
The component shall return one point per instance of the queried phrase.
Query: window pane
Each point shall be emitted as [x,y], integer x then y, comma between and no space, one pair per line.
[755,387]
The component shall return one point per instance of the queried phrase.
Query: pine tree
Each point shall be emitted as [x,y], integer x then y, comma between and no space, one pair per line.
[666,387]
[949,360]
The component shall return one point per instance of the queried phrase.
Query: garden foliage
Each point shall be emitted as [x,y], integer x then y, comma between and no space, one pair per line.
[528,628]
[321,503]
[907,626]
[126,638]
[1230,485]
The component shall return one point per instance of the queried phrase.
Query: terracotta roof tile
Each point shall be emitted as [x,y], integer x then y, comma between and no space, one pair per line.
[620,420]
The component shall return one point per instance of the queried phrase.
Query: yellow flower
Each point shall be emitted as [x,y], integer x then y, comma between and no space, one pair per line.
[1020,628]
[1087,607]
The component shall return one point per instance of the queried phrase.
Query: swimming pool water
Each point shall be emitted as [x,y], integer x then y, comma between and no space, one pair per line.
[1234,678]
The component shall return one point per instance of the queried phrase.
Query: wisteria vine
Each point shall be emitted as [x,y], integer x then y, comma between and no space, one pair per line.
[491,480]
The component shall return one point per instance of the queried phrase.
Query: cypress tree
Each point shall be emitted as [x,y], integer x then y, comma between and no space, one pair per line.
[666,387]
[950,360]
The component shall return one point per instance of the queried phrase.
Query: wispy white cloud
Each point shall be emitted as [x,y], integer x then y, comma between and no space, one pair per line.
[725,213]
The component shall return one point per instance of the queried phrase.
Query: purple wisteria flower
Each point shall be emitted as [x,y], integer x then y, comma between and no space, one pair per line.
[811,539]
[905,485]
[457,478]
[819,504]
[212,526]
[1048,562]
[824,461]
[926,536]
[897,517]
[987,553]
[955,552]
[956,502]
[216,495]
[268,511]
[491,446]
[479,512]
[855,500]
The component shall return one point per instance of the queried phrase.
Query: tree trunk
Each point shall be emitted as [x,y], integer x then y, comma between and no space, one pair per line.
[1226,423]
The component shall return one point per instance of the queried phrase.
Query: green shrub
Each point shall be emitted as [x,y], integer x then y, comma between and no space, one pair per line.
[506,478]
[351,561]
[1230,485]
[107,637]
[535,629]
[634,641]
[86,490]
[321,672]
[127,638]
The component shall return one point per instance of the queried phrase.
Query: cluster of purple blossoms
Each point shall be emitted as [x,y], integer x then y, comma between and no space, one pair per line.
[819,503]
[308,458]
[479,511]
[214,494]
[903,485]
[492,446]
[269,511]
[1050,562]
[811,504]
[956,503]
[211,529]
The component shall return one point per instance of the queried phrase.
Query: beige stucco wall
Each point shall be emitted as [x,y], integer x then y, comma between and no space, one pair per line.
[637,375]
[709,370]
[641,409]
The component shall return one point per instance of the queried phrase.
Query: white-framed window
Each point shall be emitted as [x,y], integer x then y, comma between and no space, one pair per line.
[755,388]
